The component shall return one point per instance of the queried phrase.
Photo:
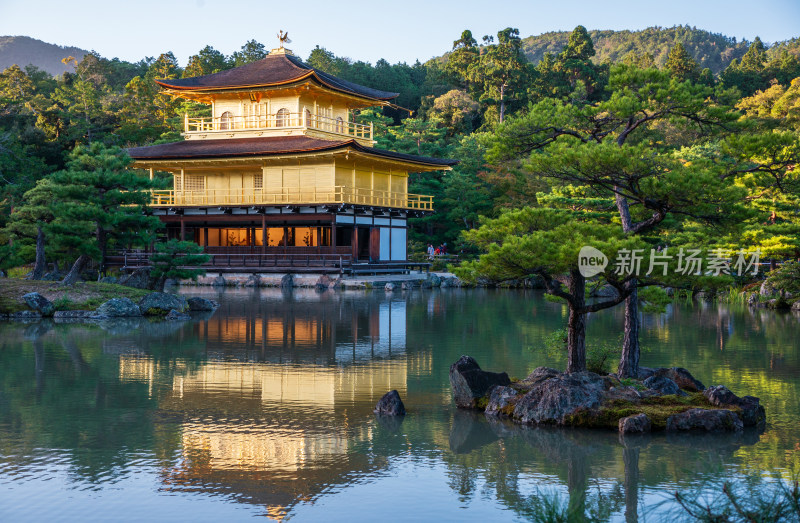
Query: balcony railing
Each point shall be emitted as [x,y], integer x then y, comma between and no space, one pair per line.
[278,121]
[286,196]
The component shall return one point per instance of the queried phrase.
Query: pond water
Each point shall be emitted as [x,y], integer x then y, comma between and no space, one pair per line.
[264,409]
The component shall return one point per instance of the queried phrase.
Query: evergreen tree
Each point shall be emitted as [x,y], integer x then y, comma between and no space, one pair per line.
[502,72]
[207,61]
[546,242]
[681,65]
[572,73]
[462,58]
[177,260]
[595,145]
[98,193]
[30,221]
[251,51]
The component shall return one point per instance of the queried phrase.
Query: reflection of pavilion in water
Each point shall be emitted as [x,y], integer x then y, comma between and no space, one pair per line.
[307,327]
[273,415]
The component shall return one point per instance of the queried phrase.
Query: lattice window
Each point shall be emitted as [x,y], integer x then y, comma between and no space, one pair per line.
[258,181]
[226,121]
[195,182]
[282,118]
[178,182]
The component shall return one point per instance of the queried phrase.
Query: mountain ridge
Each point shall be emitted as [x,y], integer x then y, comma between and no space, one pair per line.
[24,50]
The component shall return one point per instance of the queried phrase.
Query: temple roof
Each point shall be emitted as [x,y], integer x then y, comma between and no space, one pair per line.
[275,69]
[268,146]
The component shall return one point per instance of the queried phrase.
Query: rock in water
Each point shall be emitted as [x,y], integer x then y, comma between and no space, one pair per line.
[469,382]
[390,405]
[663,385]
[557,399]
[752,412]
[160,303]
[37,302]
[201,304]
[501,401]
[389,287]
[175,315]
[682,377]
[634,424]
[118,308]
[287,282]
[721,420]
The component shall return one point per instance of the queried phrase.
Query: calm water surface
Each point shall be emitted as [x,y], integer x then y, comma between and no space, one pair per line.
[264,409]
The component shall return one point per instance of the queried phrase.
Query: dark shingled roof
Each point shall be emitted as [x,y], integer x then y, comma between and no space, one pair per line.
[267,146]
[275,69]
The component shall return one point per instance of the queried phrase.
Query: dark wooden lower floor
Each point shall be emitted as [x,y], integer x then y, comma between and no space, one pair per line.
[280,260]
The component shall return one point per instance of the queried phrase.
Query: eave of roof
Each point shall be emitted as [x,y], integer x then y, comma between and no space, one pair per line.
[269,146]
[274,70]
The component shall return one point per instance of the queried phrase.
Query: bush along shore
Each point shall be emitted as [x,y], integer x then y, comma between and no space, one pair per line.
[664,399]
[26,301]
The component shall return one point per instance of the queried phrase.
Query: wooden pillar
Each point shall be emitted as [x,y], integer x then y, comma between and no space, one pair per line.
[355,242]
[205,234]
[183,229]
[151,173]
[263,234]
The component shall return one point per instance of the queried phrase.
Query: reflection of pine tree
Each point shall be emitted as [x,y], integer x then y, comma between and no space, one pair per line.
[307,238]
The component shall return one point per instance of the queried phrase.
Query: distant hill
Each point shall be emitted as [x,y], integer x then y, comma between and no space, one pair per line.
[711,50]
[23,50]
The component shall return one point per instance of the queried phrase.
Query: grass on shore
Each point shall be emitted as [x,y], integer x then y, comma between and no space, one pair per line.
[81,296]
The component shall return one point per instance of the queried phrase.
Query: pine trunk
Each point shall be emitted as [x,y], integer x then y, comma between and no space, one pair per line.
[74,273]
[102,242]
[629,359]
[40,267]
[576,325]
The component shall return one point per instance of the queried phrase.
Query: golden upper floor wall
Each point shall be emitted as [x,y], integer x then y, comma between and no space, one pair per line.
[277,96]
[274,177]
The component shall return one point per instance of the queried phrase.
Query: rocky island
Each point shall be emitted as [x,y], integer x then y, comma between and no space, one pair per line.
[663,399]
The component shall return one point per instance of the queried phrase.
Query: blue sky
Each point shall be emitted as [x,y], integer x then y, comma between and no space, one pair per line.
[402,30]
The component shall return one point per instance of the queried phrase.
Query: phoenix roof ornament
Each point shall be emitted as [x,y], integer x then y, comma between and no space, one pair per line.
[283,38]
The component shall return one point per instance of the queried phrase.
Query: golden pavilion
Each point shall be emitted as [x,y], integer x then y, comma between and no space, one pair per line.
[282,169]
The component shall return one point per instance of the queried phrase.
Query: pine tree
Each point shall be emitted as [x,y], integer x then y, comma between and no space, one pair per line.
[681,65]
[30,221]
[98,193]
[177,260]
[595,145]
[546,242]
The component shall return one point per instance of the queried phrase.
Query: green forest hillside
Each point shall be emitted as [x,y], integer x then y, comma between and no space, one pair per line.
[711,50]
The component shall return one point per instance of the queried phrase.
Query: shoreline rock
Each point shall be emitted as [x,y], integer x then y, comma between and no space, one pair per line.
[39,303]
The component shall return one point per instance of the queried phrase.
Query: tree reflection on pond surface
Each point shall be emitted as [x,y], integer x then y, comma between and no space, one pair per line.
[265,407]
